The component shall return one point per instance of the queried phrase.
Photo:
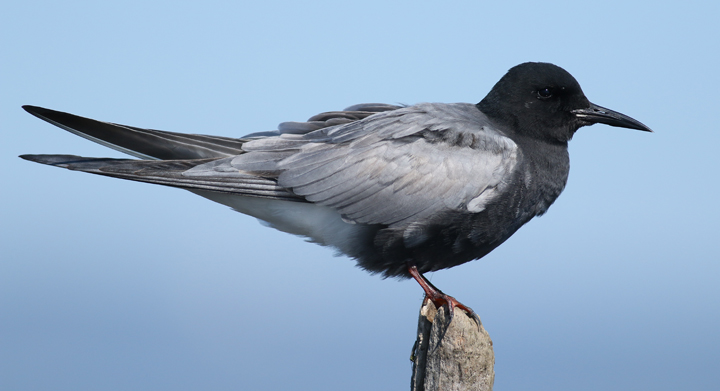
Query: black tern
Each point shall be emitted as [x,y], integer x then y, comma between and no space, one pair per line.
[403,190]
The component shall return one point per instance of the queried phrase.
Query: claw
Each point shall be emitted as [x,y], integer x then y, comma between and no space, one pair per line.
[439,298]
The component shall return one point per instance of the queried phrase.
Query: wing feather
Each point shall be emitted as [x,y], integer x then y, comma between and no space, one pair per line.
[142,143]
[373,163]
[393,167]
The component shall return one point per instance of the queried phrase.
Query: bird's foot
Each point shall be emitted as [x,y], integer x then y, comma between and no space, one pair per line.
[439,298]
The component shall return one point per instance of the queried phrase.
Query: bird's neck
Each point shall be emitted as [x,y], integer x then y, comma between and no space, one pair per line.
[547,169]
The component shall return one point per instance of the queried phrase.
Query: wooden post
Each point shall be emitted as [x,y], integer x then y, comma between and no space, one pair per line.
[462,360]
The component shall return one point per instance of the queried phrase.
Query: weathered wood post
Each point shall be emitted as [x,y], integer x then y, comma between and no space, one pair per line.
[462,360]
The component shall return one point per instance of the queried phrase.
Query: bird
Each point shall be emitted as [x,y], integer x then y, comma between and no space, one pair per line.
[402,189]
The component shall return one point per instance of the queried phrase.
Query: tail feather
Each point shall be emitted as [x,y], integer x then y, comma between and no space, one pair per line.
[174,173]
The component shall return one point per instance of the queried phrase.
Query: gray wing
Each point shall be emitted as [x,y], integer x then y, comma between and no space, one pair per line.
[394,167]
[374,163]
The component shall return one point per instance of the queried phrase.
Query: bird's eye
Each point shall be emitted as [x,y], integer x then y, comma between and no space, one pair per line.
[545,93]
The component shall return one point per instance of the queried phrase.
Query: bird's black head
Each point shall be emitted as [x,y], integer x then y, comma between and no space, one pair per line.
[544,101]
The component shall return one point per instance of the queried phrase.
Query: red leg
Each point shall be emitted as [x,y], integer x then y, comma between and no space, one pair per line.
[438,297]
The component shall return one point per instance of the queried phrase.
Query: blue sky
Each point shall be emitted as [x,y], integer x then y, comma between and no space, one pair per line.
[112,285]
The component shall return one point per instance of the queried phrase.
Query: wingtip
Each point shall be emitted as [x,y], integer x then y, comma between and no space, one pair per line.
[37,111]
